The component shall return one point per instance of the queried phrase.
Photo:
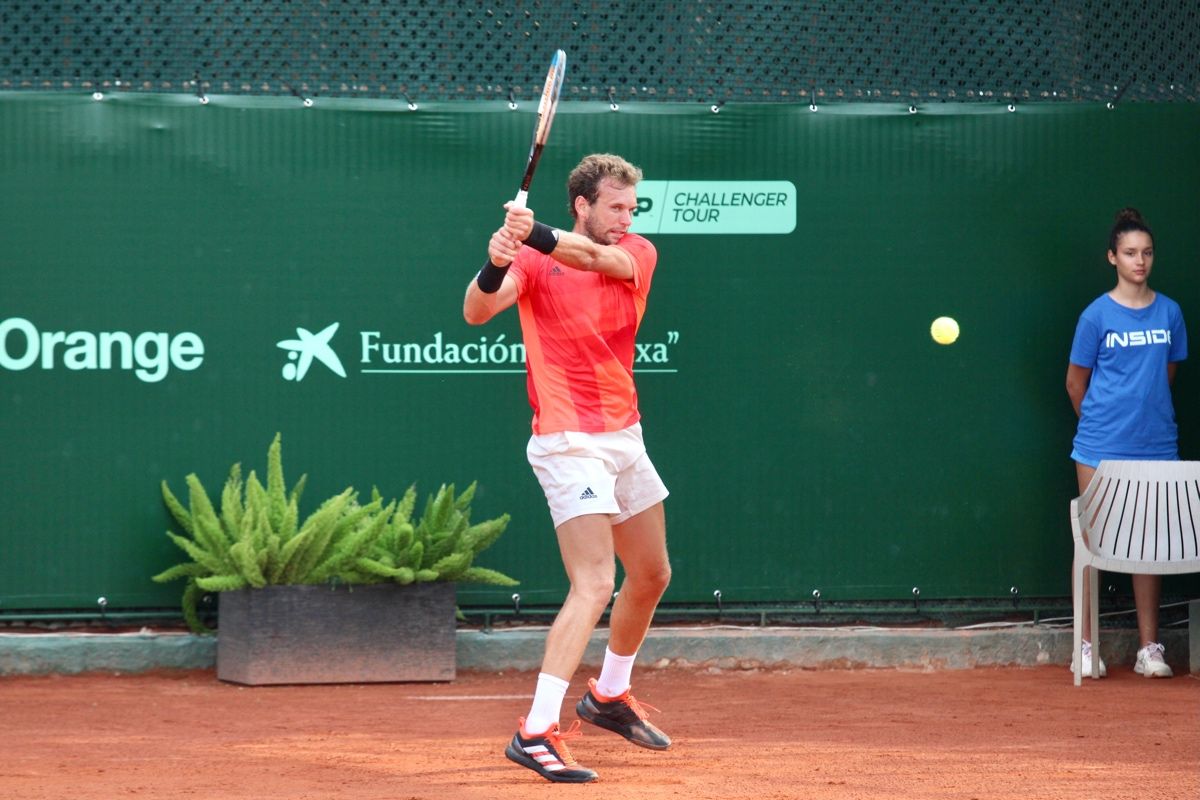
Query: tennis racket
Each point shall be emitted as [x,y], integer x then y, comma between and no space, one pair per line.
[545,115]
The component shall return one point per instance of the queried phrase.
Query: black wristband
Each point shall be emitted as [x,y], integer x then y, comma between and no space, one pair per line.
[490,277]
[543,238]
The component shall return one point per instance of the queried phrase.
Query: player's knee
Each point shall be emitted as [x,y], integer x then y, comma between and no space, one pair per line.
[660,578]
[653,581]
[595,590]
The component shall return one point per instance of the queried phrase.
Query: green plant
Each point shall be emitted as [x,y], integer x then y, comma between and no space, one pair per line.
[257,539]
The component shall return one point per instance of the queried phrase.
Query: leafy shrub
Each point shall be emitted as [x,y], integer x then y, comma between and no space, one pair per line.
[257,538]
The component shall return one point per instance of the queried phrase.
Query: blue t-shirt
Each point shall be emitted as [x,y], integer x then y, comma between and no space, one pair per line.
[1127,411]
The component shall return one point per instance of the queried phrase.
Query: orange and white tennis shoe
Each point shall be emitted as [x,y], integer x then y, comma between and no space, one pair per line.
[623,715]
[547,753]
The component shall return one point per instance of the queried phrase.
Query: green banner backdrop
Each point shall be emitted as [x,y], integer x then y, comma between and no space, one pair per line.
[157,251]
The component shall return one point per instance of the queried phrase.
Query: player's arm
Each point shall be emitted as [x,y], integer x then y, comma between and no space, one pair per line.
[579,252]
[567,248]
[492,290]
[1171,367]
[1078,379]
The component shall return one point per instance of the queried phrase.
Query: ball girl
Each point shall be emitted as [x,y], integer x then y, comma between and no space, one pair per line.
[1121,390]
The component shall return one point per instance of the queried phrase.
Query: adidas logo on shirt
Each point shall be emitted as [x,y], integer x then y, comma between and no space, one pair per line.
[555,270]
[588,494]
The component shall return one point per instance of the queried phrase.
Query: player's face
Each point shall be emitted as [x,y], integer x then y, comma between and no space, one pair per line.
[1134,257]
[608,219]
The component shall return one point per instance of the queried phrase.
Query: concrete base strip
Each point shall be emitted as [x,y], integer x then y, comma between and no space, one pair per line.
[808,648]
[69,653]
[1194,635]
[718,647]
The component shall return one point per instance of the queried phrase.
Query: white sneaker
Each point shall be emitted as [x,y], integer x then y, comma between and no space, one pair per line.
[1086,651]
[1150,662]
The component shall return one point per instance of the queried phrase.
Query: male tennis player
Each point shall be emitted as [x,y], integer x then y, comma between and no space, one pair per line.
[581,295]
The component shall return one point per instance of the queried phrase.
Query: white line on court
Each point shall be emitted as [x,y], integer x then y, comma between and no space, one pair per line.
[441,697]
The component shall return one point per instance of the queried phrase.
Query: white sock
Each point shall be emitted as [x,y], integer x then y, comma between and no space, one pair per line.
[615,674]
[547,703]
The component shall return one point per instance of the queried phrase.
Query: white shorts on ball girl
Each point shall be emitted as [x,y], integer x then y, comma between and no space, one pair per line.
[595,473]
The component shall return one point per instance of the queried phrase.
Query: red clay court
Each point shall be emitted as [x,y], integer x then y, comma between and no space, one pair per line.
[990,734]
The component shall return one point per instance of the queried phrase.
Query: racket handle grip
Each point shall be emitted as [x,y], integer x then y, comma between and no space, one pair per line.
[520,201]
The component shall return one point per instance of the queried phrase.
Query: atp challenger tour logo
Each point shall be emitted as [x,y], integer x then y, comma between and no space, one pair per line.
[750,207]
[150,355]
[438,354]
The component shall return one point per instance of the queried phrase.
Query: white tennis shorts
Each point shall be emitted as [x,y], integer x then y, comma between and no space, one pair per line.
[595,473]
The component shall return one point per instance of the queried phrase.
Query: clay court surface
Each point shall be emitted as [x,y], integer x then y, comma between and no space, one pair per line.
[984,733]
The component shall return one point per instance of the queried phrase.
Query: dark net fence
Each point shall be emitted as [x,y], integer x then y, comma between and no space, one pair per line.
[434,50]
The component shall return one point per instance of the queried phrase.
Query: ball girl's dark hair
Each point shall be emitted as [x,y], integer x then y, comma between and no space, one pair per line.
[1128,219]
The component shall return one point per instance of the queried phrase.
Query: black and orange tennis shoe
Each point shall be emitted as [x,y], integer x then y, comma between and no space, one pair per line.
[623,715]
[547,753]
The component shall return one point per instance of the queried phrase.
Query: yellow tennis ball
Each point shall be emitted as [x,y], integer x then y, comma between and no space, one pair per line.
[944,330]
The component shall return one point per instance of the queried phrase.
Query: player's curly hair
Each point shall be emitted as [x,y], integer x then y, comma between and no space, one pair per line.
[584,180]
[1128,219]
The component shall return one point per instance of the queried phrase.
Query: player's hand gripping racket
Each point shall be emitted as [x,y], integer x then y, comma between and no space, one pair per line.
[545,115]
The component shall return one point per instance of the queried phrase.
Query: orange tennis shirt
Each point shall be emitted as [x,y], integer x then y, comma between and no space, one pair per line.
[579,329]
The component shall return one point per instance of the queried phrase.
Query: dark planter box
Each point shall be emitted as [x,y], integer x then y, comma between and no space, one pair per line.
[345,634]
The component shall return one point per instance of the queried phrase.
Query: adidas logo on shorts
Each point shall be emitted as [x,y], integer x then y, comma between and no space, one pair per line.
[588,494]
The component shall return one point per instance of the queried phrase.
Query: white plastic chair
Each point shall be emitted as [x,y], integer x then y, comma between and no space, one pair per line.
[1136,517]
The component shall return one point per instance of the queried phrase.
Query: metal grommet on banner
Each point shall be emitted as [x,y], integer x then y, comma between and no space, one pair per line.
[612,100]
[516,600]
[411,105]
[916,593]
[912,109]
[716,107]
[1112,104]
[717,597]
[512,102]
[97,96]
[305,101]
[1012,107]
